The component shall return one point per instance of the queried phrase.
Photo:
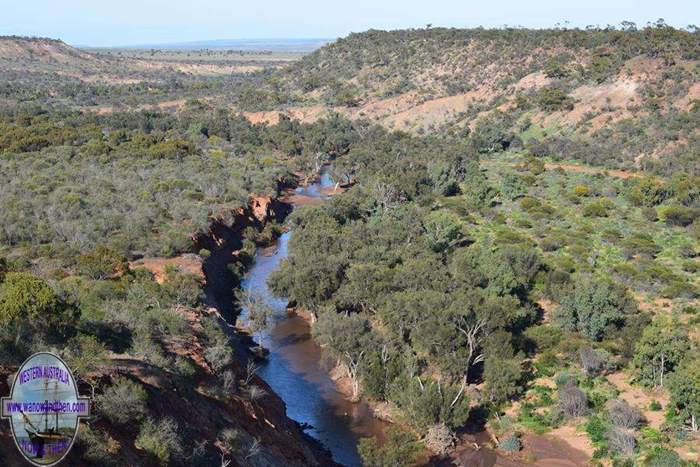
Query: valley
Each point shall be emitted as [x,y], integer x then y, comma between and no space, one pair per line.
[430,246]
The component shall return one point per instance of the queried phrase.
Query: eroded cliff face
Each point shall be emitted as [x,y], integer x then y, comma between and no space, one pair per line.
[200,403]
[225,241]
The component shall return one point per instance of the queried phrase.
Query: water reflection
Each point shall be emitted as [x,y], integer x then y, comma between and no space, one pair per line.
[294,370]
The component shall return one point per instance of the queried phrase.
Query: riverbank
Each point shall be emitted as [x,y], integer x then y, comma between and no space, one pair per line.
[294,366]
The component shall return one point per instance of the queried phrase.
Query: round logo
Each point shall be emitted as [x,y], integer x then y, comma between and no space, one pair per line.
[44,409]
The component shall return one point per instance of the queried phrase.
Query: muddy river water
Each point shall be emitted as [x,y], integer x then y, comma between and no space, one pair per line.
[294,368]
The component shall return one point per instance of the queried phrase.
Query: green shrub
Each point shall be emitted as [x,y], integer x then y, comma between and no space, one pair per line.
[679,215]
[160,439]
[511,444]
[400,448]
[544,336]
[97,446]
[597,428]
[597,208]
[101,263]
[124,402]
[553,99]
[663,457]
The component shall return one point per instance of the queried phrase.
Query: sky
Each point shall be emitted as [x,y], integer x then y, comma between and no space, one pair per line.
[136,22]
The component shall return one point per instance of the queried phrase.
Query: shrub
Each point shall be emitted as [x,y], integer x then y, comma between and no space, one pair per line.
[594,362]
[621,441]
[679,215]
[572,401]
[648,192]
[440,439]
[662,457]
[544,336]
[160,439]
[595,307]
[650,214]
[511,444]
[218,356]
[400,448]
[101,263]
[598,208]
[553,98]
[597,429]
[623,415]
[581,190]
[97,446]
[183,289]
[123,402]
[655,405]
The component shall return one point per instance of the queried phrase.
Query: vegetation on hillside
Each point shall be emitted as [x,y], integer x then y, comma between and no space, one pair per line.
[473,269]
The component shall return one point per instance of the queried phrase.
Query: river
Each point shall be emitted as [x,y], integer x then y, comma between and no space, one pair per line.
[294,369]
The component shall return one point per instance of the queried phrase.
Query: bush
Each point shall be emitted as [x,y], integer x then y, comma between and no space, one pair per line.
[623,415]
[123,402]
[511,444]
[97,446]
[553,98]
[662,457]
[101,263]
[679,215]
[160,439]
[597,208]
[595,307]
[544,336]
[400,449]
[594,362]
[597,429]
[440,439]
[621,441]
[572,401]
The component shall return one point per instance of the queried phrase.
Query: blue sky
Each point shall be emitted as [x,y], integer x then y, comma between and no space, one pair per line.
[128,22]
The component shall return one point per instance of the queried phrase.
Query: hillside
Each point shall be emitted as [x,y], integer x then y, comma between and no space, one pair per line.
[43,54]
[514,277]
[631,92]
[15,50]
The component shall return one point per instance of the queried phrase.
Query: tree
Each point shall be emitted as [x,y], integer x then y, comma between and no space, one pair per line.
[594,307]
[85,355]
[400,449]
[684,386]
[426,402]
[348,338]
[501,378]
[476,188]
[660,349]
[27,302]
[444,229]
